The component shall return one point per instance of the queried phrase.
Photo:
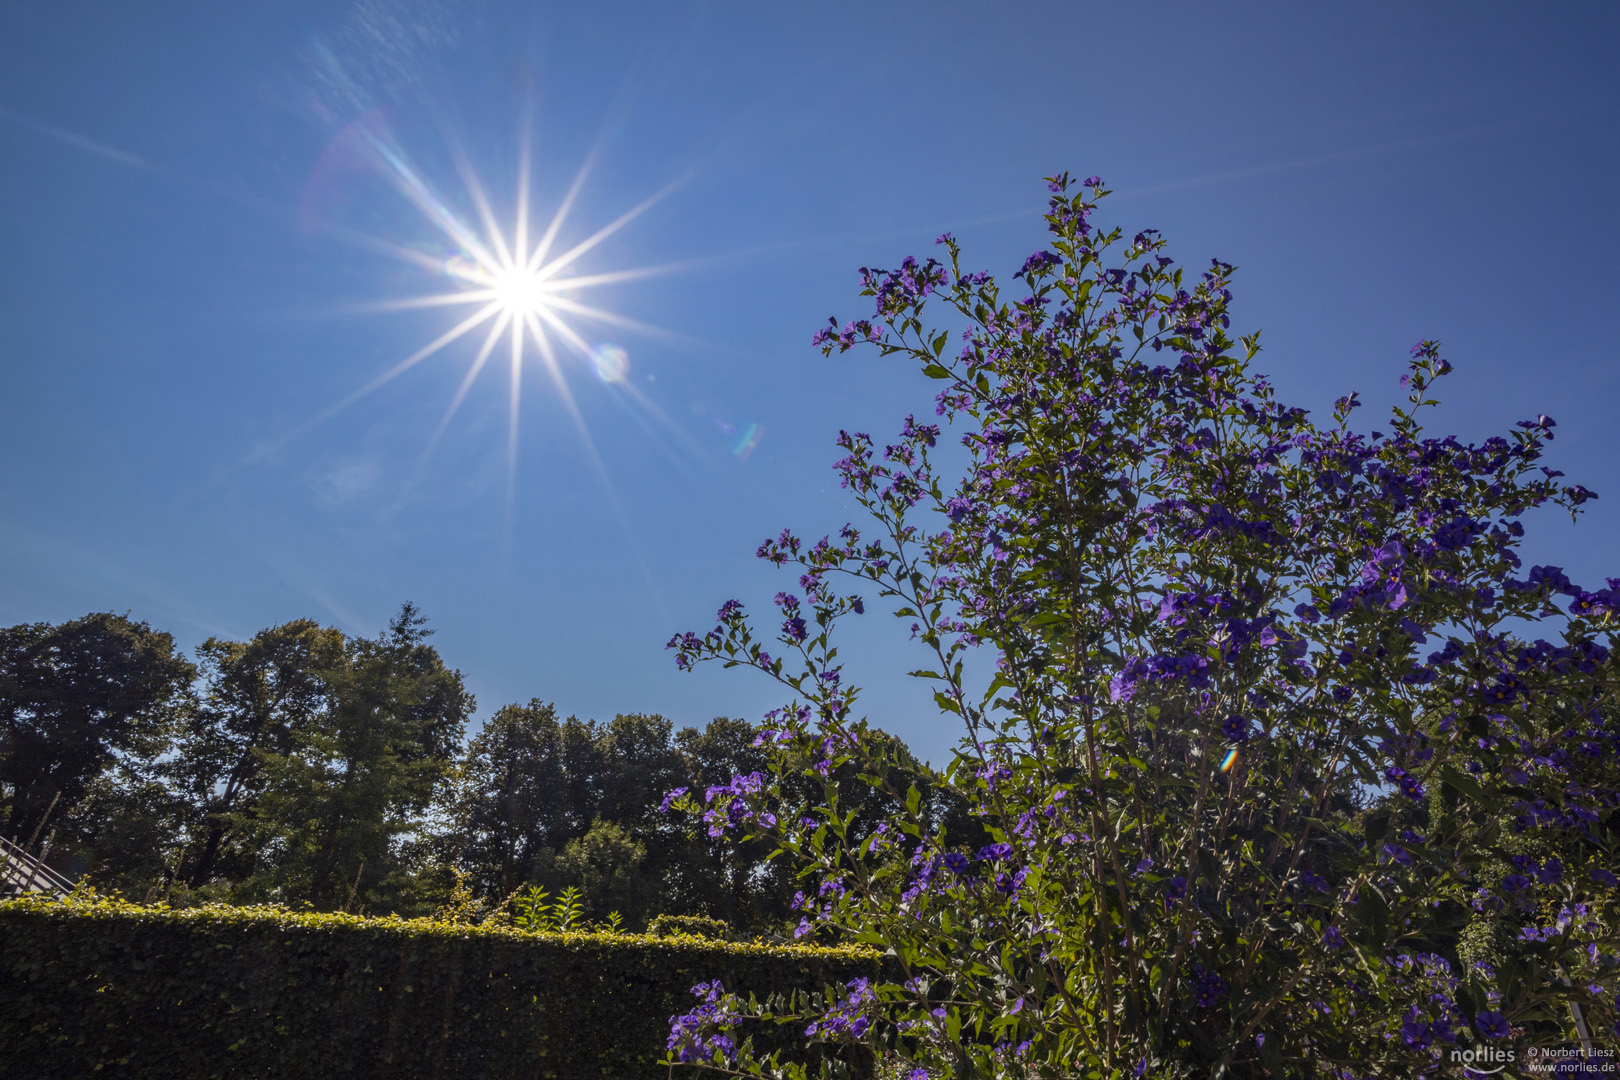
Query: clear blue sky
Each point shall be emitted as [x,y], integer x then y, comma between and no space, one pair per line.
[193,211]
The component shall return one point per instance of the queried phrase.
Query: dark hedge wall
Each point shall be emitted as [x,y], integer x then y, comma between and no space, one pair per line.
[110,988]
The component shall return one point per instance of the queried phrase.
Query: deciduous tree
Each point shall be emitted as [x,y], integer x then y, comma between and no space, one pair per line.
[73,697]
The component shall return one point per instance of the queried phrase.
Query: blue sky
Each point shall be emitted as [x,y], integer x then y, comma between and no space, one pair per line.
[195,221]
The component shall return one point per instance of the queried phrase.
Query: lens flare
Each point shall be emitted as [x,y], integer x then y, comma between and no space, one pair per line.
[748,442]
[1231,759]
[742,441]
[612,363]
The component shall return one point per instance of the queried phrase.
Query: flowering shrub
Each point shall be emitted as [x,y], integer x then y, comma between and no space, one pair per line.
[1287,766]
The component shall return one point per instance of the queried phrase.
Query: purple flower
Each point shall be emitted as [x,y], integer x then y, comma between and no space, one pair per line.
[1551,577]
[1409,785]
[669,799]
[1333,938]
[1416,1030]
[1210,989]
[1313,881]
[1492,1025]
[957,863]
[1396,853]
[1038,263]
[1604,877]
[1011,884]
[689,1034]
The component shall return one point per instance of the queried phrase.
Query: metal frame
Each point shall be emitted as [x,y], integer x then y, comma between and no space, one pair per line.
[22,873]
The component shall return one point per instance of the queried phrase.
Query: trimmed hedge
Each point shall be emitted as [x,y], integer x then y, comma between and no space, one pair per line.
[106,986]
[695,925]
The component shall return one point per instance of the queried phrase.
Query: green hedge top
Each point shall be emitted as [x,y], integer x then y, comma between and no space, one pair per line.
[95,984]
[678,933]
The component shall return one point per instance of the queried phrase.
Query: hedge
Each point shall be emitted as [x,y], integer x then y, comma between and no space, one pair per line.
[104,986]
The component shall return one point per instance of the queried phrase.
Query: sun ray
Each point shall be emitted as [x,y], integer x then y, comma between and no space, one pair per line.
[423,353]
[475,188]
[622,321]
[548,358]
[478,363]
[598,466]
[420,195]
[572,406]
[415,303]
[613,277]
[550,268]
[367,242]
[514,396]
[404,365]
[520,234]
[541,249]
[566,332]
[624,387]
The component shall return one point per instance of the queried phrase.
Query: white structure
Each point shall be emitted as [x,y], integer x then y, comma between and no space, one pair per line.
[22,873]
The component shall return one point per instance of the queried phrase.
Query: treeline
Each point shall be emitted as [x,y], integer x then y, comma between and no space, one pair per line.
[308,767]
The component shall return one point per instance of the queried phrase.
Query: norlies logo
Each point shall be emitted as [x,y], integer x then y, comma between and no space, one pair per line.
[1484,1059]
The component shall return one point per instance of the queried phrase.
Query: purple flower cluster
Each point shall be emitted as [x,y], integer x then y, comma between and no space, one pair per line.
[705,1033]
[1209,988]
[1177,571]
[849,1017]
[845,338]
[733,805]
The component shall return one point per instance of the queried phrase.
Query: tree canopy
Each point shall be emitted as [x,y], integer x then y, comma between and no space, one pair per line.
[73,697]
[307,766]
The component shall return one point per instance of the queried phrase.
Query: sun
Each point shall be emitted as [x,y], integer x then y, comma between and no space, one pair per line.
[520,292]
[525,293]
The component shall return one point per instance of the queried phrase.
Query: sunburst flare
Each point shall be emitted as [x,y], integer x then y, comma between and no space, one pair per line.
[522,291]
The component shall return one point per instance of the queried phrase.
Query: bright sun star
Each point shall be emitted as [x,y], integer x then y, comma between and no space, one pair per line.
[519,292]
[523,291]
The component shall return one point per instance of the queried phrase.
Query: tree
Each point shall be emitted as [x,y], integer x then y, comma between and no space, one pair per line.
[639,764]
[608,866]
[260,698]
[575,803]
[1238,656]
[127,834]
[73,697]
[340,805]
[526,785]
